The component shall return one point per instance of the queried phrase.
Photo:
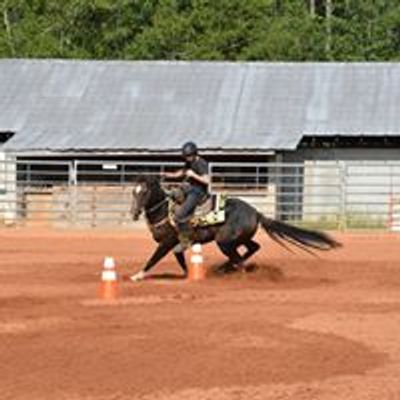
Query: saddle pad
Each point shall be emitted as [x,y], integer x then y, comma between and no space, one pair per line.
[212,212]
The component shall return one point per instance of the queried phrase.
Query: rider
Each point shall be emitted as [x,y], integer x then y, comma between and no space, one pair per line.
[197,178]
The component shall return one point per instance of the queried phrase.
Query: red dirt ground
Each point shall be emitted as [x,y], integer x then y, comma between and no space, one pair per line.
[297,327]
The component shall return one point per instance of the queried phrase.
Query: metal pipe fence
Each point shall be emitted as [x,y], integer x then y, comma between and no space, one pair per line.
[344,195]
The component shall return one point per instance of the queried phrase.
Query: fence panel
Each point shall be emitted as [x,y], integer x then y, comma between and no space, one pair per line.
[98,193]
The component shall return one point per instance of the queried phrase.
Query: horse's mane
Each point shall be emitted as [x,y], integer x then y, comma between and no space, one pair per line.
[153,181]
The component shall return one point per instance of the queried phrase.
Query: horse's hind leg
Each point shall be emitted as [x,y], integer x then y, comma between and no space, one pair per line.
[229,249]
[252,248]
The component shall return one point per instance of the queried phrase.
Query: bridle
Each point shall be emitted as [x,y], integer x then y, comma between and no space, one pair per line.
[154,208]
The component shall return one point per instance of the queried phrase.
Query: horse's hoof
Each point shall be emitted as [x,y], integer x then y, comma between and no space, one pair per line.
[231,269]
[239,268]
[138,277]
[251,267]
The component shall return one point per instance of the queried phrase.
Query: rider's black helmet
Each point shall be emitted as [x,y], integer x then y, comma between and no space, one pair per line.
[189,149]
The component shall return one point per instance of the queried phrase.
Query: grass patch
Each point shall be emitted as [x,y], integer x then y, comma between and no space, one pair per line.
[350,221]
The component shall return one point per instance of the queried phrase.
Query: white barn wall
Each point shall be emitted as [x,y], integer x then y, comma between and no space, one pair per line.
[8,189]
[355,183]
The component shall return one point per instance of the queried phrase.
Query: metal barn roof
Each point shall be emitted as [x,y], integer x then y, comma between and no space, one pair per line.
[63,105]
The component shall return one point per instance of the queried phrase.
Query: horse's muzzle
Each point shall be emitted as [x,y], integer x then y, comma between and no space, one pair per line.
[136,215]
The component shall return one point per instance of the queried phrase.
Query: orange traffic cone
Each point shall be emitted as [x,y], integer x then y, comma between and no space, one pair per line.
[197,271]
[108,289]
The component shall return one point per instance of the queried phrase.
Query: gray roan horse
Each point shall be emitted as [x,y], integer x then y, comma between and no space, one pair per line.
[241,223]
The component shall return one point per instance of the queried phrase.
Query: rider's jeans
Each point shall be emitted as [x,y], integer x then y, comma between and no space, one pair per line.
[193,197]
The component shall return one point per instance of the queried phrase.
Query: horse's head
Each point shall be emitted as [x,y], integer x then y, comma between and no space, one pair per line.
[144,189]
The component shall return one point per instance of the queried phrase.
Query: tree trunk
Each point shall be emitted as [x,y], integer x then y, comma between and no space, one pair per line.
[7,24]
[312,8]
[328,25]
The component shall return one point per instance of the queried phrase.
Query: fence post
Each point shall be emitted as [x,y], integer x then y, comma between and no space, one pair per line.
[278,182]
[72,186]
[210,166]
[343,190]
[10,198]
[93,205]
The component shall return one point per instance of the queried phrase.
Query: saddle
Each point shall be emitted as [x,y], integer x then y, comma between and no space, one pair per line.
[211,211]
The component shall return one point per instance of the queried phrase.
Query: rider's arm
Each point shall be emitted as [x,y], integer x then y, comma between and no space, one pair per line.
[204,179]
[176,174]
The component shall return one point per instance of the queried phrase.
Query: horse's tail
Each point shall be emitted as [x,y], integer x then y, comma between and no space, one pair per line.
[300,237]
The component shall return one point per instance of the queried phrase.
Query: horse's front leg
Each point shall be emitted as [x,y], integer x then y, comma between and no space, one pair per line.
[180,257]
[160,252]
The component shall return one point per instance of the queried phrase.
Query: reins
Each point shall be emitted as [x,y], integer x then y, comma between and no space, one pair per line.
[154,208]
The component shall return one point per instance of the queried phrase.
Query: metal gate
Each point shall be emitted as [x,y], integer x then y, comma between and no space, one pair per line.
[345,195]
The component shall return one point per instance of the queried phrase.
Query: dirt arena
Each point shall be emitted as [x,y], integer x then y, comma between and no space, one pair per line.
[295,327]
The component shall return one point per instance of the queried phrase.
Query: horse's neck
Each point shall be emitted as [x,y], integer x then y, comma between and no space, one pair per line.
[156,207]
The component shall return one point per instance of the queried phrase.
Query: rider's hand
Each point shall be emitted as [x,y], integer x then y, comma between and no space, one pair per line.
[189,173]
[167,174]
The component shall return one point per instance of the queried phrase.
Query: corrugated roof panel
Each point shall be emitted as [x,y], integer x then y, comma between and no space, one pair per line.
[106,105]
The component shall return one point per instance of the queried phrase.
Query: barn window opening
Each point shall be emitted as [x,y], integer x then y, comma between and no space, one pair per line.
[5,136]
[343,142]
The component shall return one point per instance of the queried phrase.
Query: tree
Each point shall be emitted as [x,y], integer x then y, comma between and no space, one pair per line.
[295,30]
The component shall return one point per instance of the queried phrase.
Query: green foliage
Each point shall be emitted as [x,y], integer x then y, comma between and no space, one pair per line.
[353,30]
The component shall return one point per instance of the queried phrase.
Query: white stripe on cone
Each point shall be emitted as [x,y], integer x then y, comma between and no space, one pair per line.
[109,263]
[108,276]
[196,259]
[109,273]
[196,268]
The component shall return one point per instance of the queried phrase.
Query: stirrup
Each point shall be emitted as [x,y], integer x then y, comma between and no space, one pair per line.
[184,241]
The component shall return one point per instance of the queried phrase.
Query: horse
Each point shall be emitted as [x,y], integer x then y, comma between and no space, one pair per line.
[238,229]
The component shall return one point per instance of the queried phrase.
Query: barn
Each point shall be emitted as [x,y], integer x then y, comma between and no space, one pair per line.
[316,143]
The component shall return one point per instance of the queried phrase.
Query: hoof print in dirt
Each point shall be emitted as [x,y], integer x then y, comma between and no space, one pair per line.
[250,268]
[273,273]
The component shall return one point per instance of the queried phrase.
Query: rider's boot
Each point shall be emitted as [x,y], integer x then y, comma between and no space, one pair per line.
[184,240]
[184,237]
